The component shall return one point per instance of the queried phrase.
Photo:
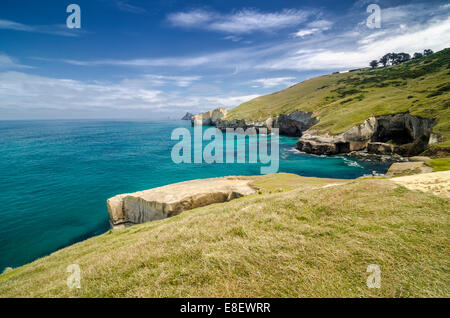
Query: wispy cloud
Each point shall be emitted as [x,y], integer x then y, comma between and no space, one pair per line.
[233,38]
[162,80]
[314,27]
[435,35]
[24,91]
[240,22]
[128,7]
[349,48]
[46,29]
[7,62]
[213,59]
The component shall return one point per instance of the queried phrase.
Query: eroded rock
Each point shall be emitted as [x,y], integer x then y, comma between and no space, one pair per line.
[209,118]
[294,124]
[400,134]
[408,168]
[170,200]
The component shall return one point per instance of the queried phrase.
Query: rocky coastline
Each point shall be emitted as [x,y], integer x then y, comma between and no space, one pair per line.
[387,137]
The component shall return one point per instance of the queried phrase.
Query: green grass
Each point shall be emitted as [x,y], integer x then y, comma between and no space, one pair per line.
[342,101]
[306,241]
[441,164]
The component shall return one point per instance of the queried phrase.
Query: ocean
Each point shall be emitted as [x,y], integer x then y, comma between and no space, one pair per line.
[56,175]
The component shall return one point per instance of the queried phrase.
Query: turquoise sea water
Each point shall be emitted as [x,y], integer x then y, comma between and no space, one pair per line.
[55,176]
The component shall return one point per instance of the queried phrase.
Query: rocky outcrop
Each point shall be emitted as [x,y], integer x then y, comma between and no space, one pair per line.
[363,155]
[322,144]
[167,201]
[400,134]
[210,118]
[293,124]
[437,152]
[188,116]
[408,168]
[223,124]
[381,148]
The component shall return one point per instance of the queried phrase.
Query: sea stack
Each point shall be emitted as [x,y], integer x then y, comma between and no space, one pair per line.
[188,116]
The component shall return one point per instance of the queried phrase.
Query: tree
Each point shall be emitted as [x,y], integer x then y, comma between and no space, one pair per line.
[427,52]
[417,55]
[374,64]
[403,57]
[385,59]
[393,58]
[398,58]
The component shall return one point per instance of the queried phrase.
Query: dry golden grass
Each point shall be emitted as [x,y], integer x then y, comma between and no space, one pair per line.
[307,242]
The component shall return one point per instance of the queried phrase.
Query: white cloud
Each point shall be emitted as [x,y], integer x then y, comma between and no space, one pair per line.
[321,24]
[11,25]
[233,38]
[47,29]
[314,27]
[170,61]
[162,80]
[194,18]
[275,81]
[304,32]
[217,59]
[125,6]
[435,35]
[347,49]
[7,62]
[23,91]
[240,22]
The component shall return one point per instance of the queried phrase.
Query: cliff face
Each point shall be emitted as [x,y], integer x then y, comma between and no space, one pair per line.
[210,118]
[401,134]
[163,202]
[292,124]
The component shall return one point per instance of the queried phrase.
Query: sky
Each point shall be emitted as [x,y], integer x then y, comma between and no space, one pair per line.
[160,59]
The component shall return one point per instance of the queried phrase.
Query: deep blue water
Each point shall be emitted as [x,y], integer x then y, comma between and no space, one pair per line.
[55,177]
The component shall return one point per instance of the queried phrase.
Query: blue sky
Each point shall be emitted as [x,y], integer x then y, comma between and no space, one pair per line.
[160,59]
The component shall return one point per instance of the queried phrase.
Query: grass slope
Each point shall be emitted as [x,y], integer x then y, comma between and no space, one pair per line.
[343,100]
[309,241]
[440,164]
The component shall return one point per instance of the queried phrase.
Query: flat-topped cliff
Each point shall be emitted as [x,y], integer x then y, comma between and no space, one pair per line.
[163,202]
[209,118]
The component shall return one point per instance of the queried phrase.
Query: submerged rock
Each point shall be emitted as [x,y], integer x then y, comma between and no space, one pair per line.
[170,200]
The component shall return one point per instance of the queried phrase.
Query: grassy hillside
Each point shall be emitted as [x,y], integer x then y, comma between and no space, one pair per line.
[295,239]
[440,164]
[341,101]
